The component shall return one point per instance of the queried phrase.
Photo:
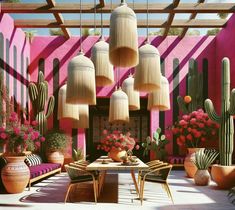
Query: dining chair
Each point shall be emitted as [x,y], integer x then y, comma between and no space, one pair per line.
[78,175]
[158,174]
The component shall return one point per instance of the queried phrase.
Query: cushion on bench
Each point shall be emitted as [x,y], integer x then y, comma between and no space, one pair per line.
[43,168]
[33,160]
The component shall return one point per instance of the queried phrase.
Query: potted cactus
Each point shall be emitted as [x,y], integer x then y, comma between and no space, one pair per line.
[224,174]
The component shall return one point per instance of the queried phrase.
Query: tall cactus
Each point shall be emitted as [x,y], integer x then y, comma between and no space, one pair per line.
[195,91]
[226,129]
[38,93]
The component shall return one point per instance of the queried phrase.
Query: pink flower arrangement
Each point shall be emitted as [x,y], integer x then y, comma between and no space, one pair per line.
[18,137]
[194,128]
[116,140]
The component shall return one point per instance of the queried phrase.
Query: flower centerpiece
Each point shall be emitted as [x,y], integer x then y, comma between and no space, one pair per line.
[194,128]
[18,137]
[190,131]
[117,144]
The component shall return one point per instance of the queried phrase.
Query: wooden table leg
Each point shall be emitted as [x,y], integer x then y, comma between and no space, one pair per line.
[134,180]
[101,181]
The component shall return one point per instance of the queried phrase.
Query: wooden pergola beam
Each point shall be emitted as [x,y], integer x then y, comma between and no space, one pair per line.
[139,8]
[192,16]
[60,20]
[42,23]
[170,17]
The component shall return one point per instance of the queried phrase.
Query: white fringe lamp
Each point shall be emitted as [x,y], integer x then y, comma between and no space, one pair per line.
[103,68]
[147,76]
[66,110]
[160,99]
[81,81]
[123,43]
[83,121]
[118,108]
[133,95]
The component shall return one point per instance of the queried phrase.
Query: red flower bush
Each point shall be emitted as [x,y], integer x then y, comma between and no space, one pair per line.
[194,128]
[18,137]
[116,140]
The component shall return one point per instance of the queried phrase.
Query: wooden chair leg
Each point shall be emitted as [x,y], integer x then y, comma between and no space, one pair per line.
[95,189]
[29,185]
[169,192]
[67,193]
[141,194]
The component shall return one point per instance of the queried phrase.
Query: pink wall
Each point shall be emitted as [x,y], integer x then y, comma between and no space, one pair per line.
[18,69]
[170,48]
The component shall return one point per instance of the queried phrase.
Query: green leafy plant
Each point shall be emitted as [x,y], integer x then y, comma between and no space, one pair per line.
[203,159]
[156,144]
[77,154]
[56,140]
[213,32]
[56,32]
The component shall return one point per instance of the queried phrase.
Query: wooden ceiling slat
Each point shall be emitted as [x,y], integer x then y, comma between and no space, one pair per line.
[42,23]
[170,17]
[139,8]
[192,16]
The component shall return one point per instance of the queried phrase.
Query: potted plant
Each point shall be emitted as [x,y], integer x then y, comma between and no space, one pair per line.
[78,154]
[117,144]
[203,159]
[224,173]
[190,131]
[56,142]
[18,138]
[156,144]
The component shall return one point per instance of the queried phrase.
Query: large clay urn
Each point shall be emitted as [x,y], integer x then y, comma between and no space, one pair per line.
[224,176]
[55,157]
[116,154]
[189,166]
[15,174]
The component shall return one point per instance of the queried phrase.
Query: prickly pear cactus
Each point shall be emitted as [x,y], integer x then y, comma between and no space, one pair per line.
[226,130]
[195,91]
[38,93]
[157,144]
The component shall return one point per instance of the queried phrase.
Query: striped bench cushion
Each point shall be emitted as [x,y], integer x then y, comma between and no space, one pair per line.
[33,160]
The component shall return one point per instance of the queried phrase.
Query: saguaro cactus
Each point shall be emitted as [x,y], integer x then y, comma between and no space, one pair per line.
[195,91]
[38,93]
[226,129]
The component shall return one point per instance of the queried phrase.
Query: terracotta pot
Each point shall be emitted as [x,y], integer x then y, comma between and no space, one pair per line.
[15,174]
[224,176]
[202,177]
[55,157]
[189,166]
[116,154]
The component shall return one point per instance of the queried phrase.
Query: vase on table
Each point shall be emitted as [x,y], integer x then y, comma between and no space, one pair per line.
[15,174]
[189,166]
[115,154]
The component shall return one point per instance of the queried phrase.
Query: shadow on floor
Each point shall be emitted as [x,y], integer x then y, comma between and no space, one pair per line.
[54,190]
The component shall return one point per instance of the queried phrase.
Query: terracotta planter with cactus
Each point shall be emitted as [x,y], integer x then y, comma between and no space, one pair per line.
[226,130]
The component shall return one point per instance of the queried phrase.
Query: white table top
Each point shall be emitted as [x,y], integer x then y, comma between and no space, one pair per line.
[111,165]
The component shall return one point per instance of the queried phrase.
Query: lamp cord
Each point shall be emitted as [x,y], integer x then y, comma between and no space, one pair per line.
[101,22]
[94,16]
[80,25]
[147,20]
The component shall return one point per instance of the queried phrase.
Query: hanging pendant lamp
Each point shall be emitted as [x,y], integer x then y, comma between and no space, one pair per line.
[83,121]
[133,95]
[123,43]
[148,71]
[160,99]
[100,57]
[66,110]
[81,87]
[118,108]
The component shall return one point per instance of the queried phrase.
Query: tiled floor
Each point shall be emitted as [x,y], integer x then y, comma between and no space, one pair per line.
[50,193]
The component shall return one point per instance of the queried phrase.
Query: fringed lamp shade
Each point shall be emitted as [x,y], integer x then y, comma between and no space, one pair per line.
[81,81]
[66,110]
[118,108]
[147,76]
[83,121]
[160,99]
[133,96]
[103,68]
[123,43]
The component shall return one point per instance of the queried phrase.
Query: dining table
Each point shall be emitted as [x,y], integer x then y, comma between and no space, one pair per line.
[104,164]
